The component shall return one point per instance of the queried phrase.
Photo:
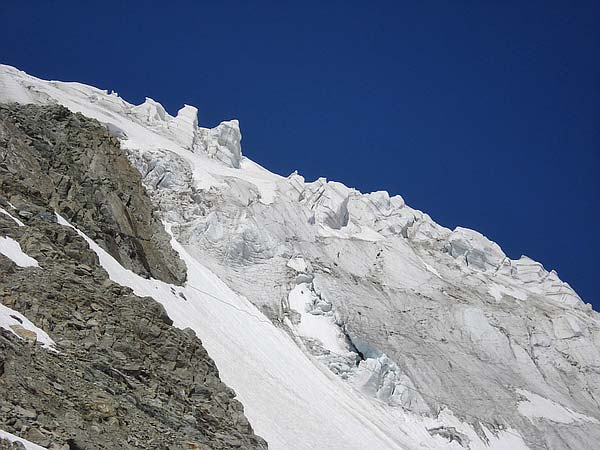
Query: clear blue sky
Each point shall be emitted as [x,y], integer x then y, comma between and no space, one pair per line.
[484,114]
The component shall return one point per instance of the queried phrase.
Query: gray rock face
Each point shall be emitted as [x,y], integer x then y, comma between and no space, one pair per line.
[5,444]
[72,164]
[122,376]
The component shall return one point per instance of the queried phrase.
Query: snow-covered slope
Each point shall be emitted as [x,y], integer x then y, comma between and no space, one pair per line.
[290,399]
[363,324]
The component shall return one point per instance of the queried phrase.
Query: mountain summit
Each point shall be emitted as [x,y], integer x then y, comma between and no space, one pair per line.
[341,320]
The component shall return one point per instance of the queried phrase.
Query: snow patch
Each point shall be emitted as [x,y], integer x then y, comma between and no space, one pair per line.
[21,326]
[538,407]
[12,250]
[17,221]
[12,438]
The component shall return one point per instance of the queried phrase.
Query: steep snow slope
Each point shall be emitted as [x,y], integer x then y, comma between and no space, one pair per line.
[386,330]
[289,399]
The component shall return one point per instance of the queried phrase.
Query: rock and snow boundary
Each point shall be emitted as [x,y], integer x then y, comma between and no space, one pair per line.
[12,438]
[12,320]
[289,400]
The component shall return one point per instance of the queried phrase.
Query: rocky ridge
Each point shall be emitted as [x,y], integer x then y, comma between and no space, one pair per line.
[67,162]
[121,375]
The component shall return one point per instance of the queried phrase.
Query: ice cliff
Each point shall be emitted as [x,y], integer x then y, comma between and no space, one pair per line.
[357,321]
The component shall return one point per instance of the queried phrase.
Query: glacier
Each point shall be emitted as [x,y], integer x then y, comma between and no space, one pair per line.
[346,320]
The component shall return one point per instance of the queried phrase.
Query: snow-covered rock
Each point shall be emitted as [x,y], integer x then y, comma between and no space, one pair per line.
[12,250]
[21,326]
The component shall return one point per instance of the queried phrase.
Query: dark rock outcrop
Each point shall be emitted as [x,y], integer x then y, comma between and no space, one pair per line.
[52,158]
[123,376]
